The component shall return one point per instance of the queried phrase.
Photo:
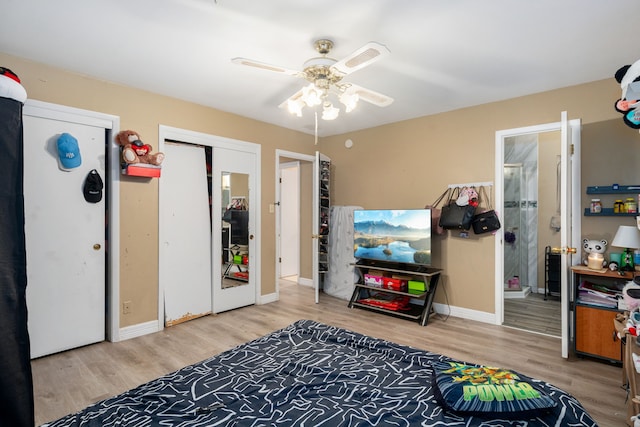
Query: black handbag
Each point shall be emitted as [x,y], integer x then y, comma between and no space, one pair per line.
[487,221]
[454,217]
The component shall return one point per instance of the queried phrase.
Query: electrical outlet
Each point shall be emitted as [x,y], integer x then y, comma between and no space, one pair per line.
[126,307]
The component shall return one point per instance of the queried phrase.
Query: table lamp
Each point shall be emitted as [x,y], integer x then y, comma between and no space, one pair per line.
[627,237]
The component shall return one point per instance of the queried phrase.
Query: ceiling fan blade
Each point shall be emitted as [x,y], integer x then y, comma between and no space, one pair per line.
[373,97]
[265,66]
[366,55]
[293,97]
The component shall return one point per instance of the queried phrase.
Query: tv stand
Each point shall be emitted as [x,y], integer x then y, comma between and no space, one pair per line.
[380,299]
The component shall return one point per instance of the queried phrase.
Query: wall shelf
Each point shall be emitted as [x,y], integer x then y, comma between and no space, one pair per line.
[622,189]
[142,169]
[607,212]
[609,189]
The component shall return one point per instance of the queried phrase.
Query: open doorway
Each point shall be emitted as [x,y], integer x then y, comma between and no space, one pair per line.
[531,191]
[531,208]
[294,219]
[566,222]
[290,217]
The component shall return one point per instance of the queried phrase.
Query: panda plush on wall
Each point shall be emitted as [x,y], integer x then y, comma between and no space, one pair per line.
[594,253]
[629,78]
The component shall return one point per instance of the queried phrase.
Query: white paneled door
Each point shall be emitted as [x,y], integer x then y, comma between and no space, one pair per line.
[65,238]
[234,177]
[186,267]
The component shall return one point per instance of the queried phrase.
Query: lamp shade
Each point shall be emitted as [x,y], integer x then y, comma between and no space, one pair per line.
[627,237]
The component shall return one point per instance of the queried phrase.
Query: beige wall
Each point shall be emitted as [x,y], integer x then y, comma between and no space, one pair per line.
[610,154]
[408,164]
[548,156]
[144,112]
[401,165]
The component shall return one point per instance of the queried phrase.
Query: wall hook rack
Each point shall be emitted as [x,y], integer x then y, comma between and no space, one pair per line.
[472,184]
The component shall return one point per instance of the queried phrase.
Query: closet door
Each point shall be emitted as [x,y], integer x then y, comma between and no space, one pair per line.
[234,207]
[65,238]
[185,270]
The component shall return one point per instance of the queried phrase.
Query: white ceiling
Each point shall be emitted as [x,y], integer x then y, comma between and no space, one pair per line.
[445,54]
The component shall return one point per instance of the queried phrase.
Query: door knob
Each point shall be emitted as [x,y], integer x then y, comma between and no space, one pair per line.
[568,250]
[250,236]
[97,246]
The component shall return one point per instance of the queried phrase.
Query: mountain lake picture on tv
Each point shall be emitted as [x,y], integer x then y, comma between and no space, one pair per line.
[393,235]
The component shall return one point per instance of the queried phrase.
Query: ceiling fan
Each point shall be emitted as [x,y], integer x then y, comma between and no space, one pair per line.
[325,75]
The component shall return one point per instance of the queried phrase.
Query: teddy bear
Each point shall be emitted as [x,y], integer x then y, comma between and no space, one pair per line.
[135,151]
[594,253]
[629,78]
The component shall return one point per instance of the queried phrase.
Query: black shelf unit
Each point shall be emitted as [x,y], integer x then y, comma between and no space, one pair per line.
[325,208]
[420,307]
[551,273]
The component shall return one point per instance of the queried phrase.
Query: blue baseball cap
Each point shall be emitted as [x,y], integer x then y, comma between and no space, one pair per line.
[68,152]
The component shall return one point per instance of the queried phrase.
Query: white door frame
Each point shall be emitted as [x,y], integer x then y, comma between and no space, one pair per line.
[291,215]
[192,137]
[111,123]
[574,182]
[295,156]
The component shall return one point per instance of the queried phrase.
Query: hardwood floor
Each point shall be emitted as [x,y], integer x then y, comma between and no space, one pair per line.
[69,381]
[534,314]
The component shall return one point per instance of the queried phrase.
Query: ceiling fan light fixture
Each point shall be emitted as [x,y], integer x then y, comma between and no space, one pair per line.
[311,95]
[329,112]
[295,106]
[350,100]
[324,76]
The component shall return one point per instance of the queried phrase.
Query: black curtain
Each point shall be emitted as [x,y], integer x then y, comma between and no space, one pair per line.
[16,384]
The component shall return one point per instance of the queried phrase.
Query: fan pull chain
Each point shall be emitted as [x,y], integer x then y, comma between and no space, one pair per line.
[316,134]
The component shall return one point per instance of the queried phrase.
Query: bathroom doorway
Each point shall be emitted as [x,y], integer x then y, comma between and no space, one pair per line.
[531,185]
[565,220]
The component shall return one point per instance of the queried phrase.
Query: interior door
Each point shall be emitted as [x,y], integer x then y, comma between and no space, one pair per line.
[570,226]
[186,268]
[65,238]
[234,206]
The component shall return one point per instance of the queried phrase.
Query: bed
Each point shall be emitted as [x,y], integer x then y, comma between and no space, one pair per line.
[312,374]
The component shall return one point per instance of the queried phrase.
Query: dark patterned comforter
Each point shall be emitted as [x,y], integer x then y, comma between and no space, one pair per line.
[307,374]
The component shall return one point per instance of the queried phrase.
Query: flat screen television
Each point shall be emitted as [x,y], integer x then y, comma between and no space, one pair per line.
[393,235]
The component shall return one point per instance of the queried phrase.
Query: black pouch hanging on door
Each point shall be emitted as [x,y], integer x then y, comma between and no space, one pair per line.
[93,186]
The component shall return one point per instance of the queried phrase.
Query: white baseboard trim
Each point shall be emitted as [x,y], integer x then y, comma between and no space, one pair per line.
[305,282]
[465,313]
[138,330]
[266,299]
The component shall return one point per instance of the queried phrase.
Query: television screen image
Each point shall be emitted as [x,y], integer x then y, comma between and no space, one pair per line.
[393,235]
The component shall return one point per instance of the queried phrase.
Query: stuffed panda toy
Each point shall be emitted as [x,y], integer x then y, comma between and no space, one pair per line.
[594,253]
